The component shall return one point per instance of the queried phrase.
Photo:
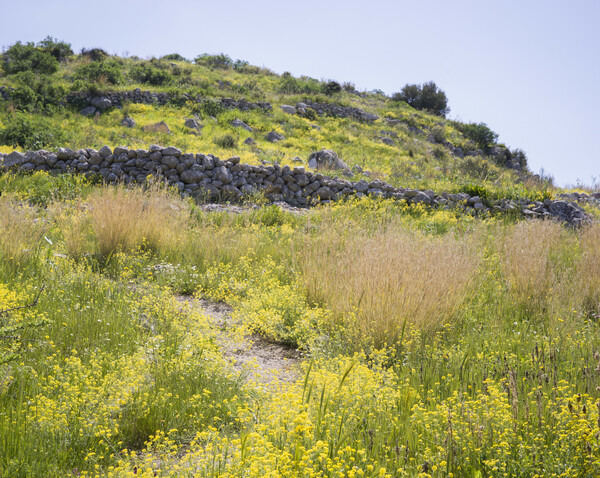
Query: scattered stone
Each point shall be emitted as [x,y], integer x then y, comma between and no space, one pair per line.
[249,141]
[297,160]
[101,102]
[326,159]
[240,124]
[288,109]
[89,111]
[160,127]
[274,137]
[193,124]
[128,122]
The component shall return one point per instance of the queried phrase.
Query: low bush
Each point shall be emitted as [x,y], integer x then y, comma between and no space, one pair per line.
[426,97]
[94,54]
[27,57]
[108,71]
[227,141]
[149,74]
[32,133]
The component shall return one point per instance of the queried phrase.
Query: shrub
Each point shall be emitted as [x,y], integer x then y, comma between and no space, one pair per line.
[426,97]
[34,93]
[332,87]
[290,85]
[58,49]
[100,71]
[349,86]
[94,54]
[31,133]
[439,134]
[174,57]
[208,107]
[20,57]
[480,134]
[149,74]
[221,61]
[226,141]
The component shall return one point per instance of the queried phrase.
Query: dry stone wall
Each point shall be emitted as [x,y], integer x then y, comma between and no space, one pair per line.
[207,176]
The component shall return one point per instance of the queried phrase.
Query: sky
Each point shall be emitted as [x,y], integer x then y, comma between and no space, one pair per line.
[529,69]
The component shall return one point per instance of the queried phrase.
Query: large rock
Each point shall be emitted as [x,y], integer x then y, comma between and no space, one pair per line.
[101,102]
[224,175]
[128,122]
[193,124]
[326,159]
[288,109]
[240,124]
[13,160]
[274,137]
[89,111]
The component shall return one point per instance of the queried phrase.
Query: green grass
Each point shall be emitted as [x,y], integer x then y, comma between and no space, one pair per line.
[433,343]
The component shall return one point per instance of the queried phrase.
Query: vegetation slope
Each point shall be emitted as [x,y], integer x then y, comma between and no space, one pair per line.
[434,343]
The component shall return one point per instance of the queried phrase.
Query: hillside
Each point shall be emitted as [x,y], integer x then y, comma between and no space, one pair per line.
[196,107]
[433,313]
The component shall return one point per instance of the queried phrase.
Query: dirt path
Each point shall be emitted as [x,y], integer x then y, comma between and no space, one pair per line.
[264,363]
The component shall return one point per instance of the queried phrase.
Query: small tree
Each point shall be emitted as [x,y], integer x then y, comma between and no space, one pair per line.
[20,57]
[427,97]
[58,49]
[481,134]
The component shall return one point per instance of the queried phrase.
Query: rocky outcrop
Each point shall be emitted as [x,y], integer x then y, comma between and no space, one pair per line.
[328,160]
[206,176]
[333,109]
[100,102]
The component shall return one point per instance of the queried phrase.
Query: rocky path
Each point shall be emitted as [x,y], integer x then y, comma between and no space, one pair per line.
[264,363]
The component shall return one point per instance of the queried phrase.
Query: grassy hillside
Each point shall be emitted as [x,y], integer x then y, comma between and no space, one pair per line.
[405,146]
[423,342]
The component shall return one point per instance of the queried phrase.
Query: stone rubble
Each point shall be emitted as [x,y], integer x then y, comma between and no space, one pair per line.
[206,176]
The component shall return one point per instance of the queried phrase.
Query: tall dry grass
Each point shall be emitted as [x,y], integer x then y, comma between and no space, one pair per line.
[382,282]
[125,219]
[74,224]
[529,254]
[20,230]
[587,284]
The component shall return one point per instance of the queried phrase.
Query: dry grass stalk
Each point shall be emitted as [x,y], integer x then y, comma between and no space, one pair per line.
[588,271]
[124,219]
[389,279]
[20,230]
[526,258]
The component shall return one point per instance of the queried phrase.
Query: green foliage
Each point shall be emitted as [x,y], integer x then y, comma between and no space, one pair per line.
[32,133]
[220,61]
[208,107]
[331,88]
[427,97]
[94,54]
[58,49]
[227,141]
[480,133]
[108,71]
[291,85]
[439,134]
[35,93]
[148,73]
[42,189]
[27,57]
[174,57]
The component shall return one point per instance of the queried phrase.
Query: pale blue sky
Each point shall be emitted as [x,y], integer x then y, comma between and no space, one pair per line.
[529,69]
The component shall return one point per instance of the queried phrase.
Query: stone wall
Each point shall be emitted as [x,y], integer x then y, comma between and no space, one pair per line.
[205,175]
